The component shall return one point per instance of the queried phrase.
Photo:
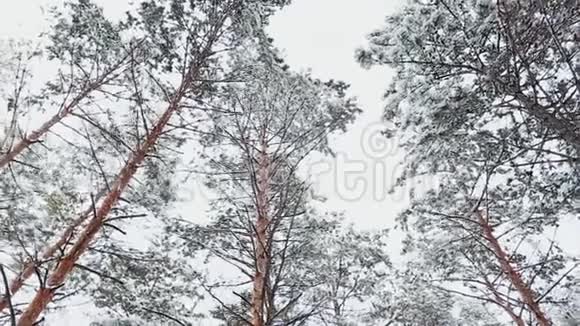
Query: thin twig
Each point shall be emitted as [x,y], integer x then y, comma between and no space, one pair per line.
[8,296]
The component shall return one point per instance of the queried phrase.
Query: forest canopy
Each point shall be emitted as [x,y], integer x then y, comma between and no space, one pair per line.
[105,123]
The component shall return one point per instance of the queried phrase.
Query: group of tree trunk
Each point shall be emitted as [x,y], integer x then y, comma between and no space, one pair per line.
[485,98]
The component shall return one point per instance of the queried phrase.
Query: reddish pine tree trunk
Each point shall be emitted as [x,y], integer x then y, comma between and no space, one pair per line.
[35,135]
[29,266]
[44,295]
[262,259]
[512,274]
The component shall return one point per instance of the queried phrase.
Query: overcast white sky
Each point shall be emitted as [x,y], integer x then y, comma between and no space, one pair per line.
[322,35]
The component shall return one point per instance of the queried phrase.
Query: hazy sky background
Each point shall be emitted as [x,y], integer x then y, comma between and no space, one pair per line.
[320,35]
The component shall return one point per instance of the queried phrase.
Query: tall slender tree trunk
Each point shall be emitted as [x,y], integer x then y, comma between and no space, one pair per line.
[261,229]
[29,266]
[45,294]
[527,295]
[35,135]
[67,108]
